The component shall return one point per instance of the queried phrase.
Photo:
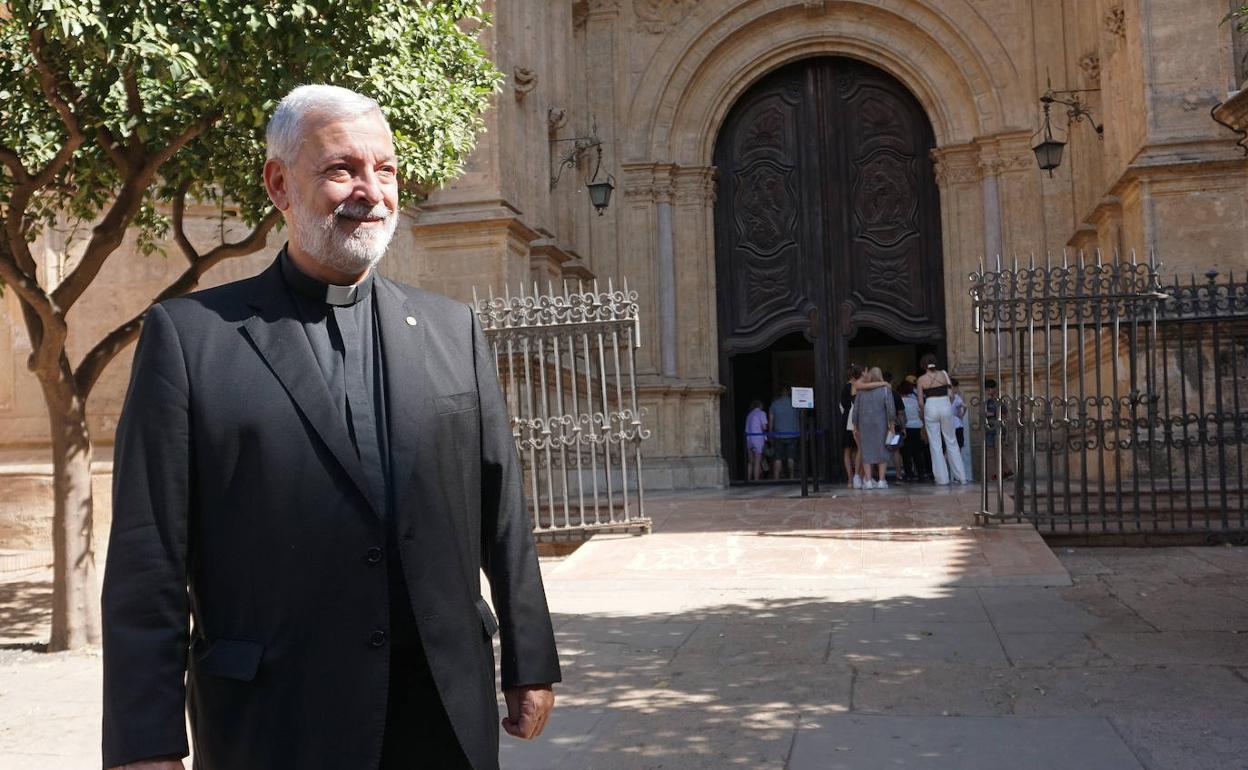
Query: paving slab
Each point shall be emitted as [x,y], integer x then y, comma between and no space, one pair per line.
[961,643]
[1098,599]
[1178,606]
[1028,609]
[885,687]
[1186,744]
[1130,691]
[959,743]
[1169,648]
[950,605]
[742,641]
[765,559]
[1056,649]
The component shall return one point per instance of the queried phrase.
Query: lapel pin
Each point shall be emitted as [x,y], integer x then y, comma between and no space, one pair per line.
[411,320]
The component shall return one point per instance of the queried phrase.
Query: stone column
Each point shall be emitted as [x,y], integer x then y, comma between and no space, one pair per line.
[695,190]
[1010,171]
[668,256]
[638,257]
[992,215]
[666,250]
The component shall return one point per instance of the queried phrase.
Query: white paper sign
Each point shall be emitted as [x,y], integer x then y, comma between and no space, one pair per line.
[803,398]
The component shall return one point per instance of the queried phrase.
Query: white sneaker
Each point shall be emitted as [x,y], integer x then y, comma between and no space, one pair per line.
[868,484]
[857,481]
[881,484]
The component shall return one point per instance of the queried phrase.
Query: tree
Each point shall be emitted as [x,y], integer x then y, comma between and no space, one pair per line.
[115,113]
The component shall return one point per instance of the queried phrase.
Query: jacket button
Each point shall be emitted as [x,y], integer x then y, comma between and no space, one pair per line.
[373,555]
[377,638]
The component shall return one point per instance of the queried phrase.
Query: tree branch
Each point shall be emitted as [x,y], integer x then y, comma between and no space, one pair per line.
[133,101]
[58,162]
[158,159]
[13,162]
[70,114]
[44,322]
[98,358]
[135,105]
[111,230]
[179,229]
[112,149]
[49,85]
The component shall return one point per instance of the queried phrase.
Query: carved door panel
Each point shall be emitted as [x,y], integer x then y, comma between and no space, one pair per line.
[827,222]
[763,234]
[886,254]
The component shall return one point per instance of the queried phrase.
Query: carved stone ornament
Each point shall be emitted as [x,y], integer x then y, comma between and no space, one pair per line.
[556,118]
[960,171]
[696,186]
[525,80]
[815,6]
[1090,63]
[657,16]
[1116,21]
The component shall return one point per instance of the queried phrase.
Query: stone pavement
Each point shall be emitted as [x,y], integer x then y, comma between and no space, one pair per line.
[862,630]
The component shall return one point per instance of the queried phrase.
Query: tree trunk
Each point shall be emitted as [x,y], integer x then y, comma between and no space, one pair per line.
[75,592]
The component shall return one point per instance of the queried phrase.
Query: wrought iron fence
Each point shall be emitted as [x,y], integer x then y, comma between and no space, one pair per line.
[1122,400]
[567,364]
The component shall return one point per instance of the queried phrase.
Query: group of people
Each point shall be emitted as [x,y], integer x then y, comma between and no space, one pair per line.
[771,437]
[917,426]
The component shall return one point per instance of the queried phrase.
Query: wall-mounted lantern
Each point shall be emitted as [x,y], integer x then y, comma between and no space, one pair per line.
[1049,149]
[599,192]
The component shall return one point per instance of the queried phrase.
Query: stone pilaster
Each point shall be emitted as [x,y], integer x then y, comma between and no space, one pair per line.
[1009,168]
[639,257]
[671,262]
[959,176]
[695,190]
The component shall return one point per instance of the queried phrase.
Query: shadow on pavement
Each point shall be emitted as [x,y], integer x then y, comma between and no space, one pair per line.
[961,678]
[25,613]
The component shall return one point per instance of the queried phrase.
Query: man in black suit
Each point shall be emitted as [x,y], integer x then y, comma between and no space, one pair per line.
[315,465]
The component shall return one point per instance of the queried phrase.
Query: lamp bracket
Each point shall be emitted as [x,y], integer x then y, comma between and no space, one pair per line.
[572,157]
[1076,108]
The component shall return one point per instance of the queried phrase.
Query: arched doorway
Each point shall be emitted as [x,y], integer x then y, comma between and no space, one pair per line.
[827,239]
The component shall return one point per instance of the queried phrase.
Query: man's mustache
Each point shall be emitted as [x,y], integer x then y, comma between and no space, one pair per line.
[358,210]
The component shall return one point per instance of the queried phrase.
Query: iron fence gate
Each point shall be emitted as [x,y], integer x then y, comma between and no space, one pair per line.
[567,364]
[1122,402]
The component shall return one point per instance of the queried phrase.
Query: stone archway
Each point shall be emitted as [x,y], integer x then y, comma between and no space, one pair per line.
[949,58]
[828,234]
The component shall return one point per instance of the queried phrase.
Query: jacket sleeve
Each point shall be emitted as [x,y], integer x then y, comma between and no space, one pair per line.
[145,606]
[508,554]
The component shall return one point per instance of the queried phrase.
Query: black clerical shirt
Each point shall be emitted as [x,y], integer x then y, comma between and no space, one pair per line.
[342,327]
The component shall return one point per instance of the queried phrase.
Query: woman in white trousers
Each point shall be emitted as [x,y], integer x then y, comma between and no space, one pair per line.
[934,399]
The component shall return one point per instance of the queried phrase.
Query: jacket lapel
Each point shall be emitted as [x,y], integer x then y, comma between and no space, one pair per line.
[408,384]
[278,335]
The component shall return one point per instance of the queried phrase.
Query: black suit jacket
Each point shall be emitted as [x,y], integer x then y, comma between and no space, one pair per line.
[240,502]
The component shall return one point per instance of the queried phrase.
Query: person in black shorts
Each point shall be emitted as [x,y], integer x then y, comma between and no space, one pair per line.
[784,426]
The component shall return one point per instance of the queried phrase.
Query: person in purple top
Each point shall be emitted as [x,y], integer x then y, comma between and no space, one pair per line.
[755,438]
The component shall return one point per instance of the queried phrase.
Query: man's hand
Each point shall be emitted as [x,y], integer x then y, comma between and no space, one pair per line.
[153,764]
[528,708]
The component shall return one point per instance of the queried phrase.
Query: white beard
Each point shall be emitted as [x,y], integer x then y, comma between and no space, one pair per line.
[355,253]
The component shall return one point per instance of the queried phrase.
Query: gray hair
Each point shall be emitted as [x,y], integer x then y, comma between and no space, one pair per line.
[282,135]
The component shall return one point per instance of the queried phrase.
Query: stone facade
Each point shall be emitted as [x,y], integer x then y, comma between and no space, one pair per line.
[654,79]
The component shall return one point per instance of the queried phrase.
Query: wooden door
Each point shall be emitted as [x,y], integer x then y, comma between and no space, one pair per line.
[827,222]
